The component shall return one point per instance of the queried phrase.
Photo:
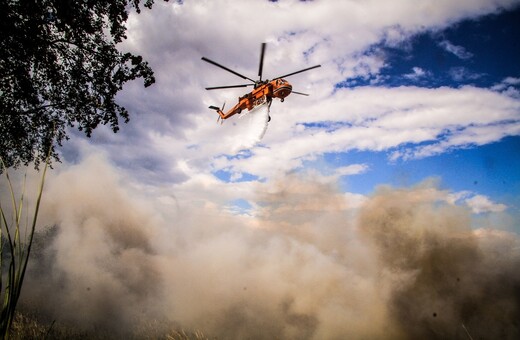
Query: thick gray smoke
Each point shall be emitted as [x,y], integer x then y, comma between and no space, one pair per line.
[406,266]
[447,281]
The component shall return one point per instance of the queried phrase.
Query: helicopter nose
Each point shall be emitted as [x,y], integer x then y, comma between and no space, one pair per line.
[283,91]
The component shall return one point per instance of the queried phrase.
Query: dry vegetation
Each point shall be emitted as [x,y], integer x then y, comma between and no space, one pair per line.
[29,326]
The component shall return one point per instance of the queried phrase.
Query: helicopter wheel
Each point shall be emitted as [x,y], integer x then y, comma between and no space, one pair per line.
[269,119]
[239,111]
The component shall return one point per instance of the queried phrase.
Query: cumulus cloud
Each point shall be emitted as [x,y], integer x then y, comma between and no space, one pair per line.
[511,81]
[351,169]
[481,204]
[417,73]
[508,86]
[172,130]
[460,74]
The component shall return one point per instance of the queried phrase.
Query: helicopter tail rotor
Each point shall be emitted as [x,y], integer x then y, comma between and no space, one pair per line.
[220,112]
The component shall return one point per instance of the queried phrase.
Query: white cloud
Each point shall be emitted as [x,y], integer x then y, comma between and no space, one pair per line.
[461,74]
[417,73]
[172,136]
[482,204]
[476,202]
[350,170]
[512,81]
[459,51]
[368,118]
[508,86]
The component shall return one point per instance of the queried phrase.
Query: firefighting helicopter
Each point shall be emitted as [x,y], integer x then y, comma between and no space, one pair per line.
[263,90]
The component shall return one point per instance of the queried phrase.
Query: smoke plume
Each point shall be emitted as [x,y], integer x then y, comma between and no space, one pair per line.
[407,265]
[447,281]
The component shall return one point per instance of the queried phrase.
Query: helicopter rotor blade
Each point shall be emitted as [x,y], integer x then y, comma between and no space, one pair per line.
[300,93]
[225,68]
[260,68]
[300,71]
[227,87]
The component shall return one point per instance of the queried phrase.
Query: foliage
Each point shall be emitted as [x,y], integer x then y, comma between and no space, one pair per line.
[59,67]
[14,250]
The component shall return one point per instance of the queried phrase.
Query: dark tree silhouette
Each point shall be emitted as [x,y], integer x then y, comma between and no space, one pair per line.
[59,67]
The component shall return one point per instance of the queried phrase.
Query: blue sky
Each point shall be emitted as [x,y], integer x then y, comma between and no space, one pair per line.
[477,52]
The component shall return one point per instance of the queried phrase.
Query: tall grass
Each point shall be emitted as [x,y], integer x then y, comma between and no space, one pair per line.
[28,325]
[17,232]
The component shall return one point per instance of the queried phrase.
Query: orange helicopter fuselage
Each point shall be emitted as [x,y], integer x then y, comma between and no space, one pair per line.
[262,93]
